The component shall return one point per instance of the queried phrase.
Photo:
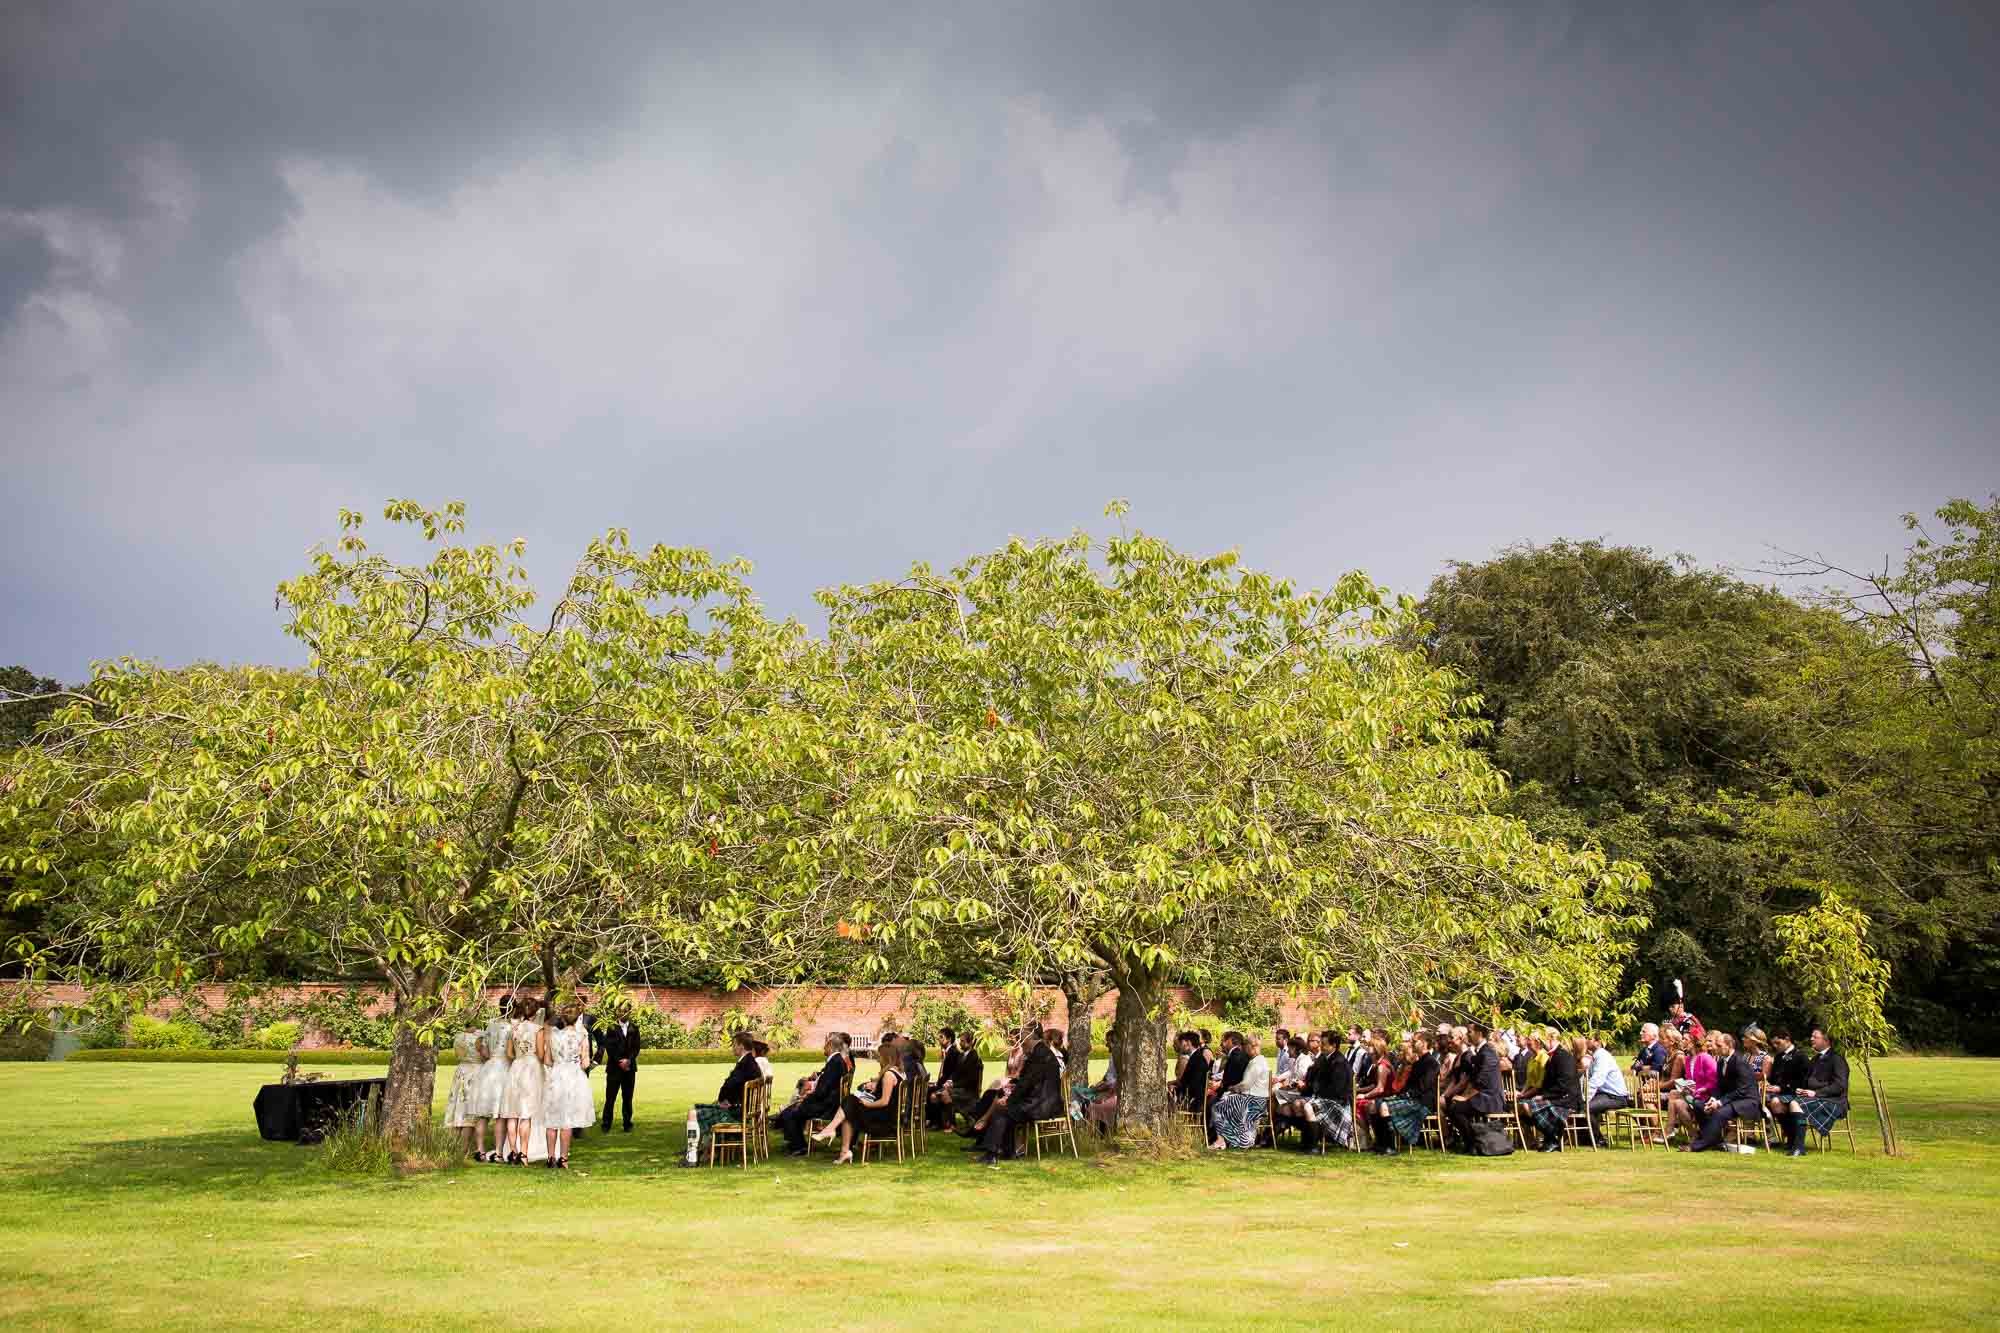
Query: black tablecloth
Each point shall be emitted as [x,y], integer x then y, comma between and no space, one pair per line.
[302,1112]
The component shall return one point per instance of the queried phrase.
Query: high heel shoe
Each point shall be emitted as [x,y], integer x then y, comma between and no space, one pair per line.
[845,1159]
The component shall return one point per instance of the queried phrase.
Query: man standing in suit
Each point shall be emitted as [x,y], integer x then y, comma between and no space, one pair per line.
[1735,1096]
[1479,1077]
[1036,1095]
[620,1044]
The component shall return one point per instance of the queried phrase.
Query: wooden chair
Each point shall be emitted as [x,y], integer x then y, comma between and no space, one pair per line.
[1058,1126]
[1577,1129]
[1645,1120]
[740,1136]
[1195,1121]
[917,1103]
[1823,1142]
[899,1133]
[1433,1132]
[764,1125]
[814,1126]
[1740,1131]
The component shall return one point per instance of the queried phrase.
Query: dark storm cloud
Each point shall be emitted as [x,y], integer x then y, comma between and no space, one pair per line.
[839,288]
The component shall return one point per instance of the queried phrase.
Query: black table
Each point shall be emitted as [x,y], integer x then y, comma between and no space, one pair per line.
[303,1112]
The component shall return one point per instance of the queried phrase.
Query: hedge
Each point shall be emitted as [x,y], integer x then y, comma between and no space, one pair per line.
[339,1056]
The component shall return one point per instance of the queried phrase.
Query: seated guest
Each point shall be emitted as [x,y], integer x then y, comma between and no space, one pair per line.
[872,1111]
[1098,1103]
[1694,1085]
[1381,1072]
[1402,1114]
[1281,1047]
[1752,1047]
[957,1088]
[1288,1088]
[1822,1102]
[1479,1079]
[1652,1052]
[1558,1095]
[1784,1076]
[1240,1108]
[1235,1059]
[1360,1056]
[913,1069]
[982,1111]
[1527,1046]
[1327,1097]
[1035,1095]
[1058,1042]
[1191,1088]
[1528,1082]
[1607,1091]
[819,1095]
[1734,1098]
[727,1108]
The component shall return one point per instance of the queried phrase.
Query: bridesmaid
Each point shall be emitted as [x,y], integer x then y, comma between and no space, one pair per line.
[522,1101]
[459,1110]
[492,1086]
[565,1054]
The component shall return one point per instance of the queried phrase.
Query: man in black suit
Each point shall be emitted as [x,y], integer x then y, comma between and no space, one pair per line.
[819,1101]
[619,1042]
[1235,1060]
[1479,1078]
[959,1078]
[1191,1088]
[1735,1096]
[1036,1095]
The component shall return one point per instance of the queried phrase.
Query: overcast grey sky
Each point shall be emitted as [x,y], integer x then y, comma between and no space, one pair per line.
[839,287]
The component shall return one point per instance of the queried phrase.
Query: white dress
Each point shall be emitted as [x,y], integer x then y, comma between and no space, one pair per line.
[492,1085]
[523,1098]
[566,1100]
[458,1107]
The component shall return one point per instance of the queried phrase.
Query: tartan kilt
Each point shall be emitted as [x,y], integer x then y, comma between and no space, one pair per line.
[710,1114]
[1406,1116]
[1545,1115]
[1823,1113]
[1335,1117]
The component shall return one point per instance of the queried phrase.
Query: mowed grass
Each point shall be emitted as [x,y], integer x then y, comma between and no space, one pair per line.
[140,1196]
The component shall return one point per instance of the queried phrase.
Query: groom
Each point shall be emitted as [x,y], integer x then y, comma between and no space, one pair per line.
[620,1043]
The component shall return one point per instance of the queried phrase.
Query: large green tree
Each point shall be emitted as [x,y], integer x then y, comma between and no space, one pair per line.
[456,778]
[1626,695]
[1894,731]
[1072,755]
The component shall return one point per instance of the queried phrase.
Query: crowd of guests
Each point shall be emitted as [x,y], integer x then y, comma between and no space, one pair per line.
[1355,1088]
[524,1077]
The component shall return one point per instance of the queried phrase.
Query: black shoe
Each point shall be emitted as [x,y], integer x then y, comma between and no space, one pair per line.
[628,1130]
[795,1152]
[988,1159]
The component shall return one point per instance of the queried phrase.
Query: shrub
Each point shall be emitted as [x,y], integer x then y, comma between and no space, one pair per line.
[930,1014]
[30,1043]
[279,1036]
[147,1033]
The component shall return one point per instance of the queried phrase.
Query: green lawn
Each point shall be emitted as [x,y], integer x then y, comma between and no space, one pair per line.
[139,1196]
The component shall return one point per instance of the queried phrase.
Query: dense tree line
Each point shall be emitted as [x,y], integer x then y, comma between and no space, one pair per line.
[1566,776]
[1753,749]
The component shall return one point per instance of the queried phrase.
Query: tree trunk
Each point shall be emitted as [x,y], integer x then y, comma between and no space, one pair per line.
[406,1105]
[1145,1096]
[1079,994]
[1881,1101]
[549,975]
